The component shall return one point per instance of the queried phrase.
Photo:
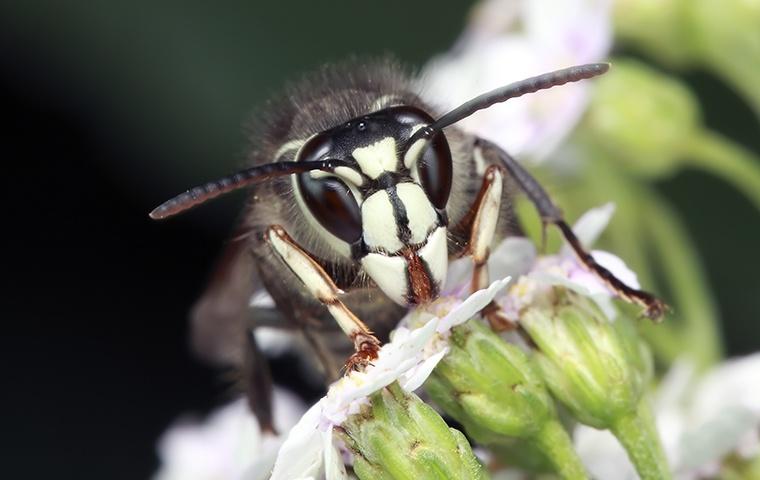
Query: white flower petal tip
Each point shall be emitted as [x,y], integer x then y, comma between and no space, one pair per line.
[472,305]
[617,267]
[417,377]
[591,224]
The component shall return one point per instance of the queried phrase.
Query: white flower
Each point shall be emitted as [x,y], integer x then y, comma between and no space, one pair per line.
[565,270]
[309,450]
[508,40]
[701,420]
[228,445]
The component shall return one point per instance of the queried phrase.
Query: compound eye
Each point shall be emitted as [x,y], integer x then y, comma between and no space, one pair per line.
[315,149]
[333,205]
[407,115]
[435,171]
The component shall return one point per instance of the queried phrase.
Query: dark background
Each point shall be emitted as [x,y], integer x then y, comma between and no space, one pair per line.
[110,108]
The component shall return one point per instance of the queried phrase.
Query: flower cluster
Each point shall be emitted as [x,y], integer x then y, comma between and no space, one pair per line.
[408,359]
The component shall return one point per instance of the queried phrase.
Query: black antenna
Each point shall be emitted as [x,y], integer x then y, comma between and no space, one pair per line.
[207,191]
[513,90]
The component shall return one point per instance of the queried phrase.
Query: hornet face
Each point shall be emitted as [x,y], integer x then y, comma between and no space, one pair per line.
[385,207]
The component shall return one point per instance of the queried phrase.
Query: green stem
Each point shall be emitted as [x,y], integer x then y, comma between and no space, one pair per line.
[742,73]
[605,180]
[723,158]
[627,235]
[638,435]
[555,443]
[698,332]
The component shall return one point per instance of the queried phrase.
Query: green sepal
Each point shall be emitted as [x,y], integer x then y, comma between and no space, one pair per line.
[490,383]
[491,388]
[398,436]
[599,369]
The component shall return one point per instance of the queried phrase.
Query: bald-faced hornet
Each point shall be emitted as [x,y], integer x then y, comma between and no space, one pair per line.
[360,195]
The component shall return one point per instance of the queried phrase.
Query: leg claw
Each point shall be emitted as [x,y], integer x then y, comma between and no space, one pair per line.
[367,349]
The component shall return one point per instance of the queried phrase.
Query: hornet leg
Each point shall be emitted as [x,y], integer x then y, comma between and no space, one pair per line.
[321,286]
[654,308]
[258,383]
[486,215]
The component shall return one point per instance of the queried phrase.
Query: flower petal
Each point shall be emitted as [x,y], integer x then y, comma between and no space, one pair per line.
[302,454]
[472,305]
[617,266]
[458,277]
[229,444]
[394,360]
[590,226]
[511,258]
[602,454]
[414,379]
[724,411]
[334,468]
[580,30]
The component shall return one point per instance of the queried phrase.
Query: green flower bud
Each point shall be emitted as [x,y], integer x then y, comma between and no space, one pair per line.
[493,390]
[599,370]
[398,436]
[641,118]
[651,123]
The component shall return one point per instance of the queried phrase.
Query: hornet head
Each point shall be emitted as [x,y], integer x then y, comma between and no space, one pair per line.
[385,205]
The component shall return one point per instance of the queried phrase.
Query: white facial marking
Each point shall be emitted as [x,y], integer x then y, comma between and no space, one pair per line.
[350,174]
[389,273]
[287,146]
[377,158]
[419,211]
[413,153]
[385,101]
[379,223]
[436,254]
[317,174]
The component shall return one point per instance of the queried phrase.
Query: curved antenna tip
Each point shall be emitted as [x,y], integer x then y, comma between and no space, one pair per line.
[161,212]
[156,214]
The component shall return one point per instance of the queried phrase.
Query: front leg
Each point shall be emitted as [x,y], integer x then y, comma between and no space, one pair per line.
[654,308]
[482,229]
[314,278]
[487,206]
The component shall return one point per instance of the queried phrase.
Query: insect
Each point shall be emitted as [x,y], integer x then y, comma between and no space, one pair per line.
[360,195]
